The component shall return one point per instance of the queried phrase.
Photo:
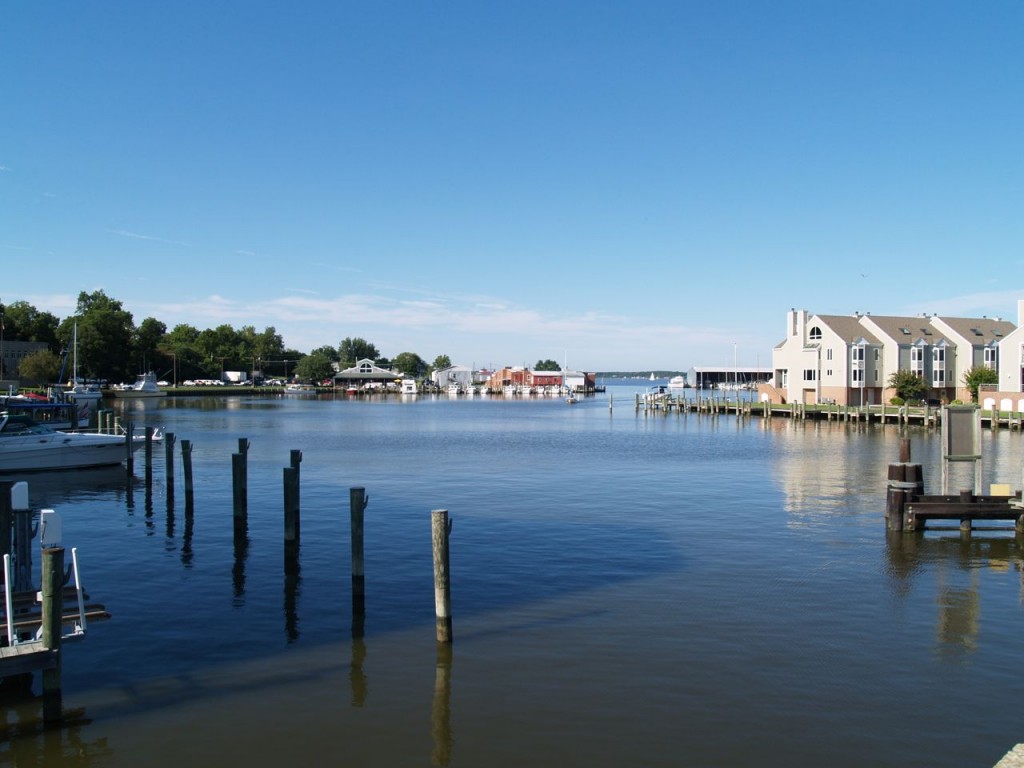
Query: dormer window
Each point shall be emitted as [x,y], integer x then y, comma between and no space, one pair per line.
[815,333]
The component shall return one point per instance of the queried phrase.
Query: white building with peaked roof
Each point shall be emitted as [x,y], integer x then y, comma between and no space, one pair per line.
[849,359]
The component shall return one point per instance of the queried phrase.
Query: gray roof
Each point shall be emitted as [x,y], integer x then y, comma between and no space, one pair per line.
[979,330]
[907,330]
[847,327]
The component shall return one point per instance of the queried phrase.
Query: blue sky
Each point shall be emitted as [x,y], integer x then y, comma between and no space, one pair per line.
[620,186]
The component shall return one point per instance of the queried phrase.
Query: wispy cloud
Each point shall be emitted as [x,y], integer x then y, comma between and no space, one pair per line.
[137,236]
[989,303]
[4,168]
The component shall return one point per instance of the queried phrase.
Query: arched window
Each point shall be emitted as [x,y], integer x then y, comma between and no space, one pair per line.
[815,334]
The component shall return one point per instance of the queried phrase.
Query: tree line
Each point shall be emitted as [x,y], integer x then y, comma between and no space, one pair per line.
[110,347]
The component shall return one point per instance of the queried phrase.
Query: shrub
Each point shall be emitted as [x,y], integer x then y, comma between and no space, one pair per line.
[896,400]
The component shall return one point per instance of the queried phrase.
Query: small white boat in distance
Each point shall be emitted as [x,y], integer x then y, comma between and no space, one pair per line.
[677,382]
[299,389]
[26,446]
[144,386]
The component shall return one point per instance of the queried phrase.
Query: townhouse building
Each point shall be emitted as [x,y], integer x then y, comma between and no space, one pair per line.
[850,359]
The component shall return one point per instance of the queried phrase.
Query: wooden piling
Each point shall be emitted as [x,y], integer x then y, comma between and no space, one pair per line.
[169,464]
[186,468]
[357,500]
[149,457]
[52,593]
[441,528]
[240,480]
[291,506]
[129,453]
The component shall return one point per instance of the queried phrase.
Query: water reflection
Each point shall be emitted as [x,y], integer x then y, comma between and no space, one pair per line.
[441,708]
[292,581]
[958,564]
[241,552]
[28,741]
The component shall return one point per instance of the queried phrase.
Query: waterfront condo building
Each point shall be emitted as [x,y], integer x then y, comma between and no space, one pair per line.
[849,359]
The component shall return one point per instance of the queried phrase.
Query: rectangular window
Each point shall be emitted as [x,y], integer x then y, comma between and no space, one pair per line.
[858,375]
[828,354]
[810,374]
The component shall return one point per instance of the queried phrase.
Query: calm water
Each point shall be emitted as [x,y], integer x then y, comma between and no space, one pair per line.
[627,590]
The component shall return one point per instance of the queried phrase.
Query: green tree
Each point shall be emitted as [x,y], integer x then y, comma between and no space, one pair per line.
[105,333]
[330,352]
[315,366]
[40,367]
[148,339]
[547,365]
[23,322]
[410,364]
[350,351]
[908,385]
[441,362]
[977,376]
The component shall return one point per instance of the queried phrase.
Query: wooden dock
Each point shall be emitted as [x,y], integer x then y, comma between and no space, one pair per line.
[909,509]
[667,403]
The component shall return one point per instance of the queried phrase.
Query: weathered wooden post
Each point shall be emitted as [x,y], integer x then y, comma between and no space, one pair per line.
[357,500]
[52,593]
[291,507]
[149,457]
[186,468]
[441,528]
[128,448]
[906,483]
[169,463]
[240,480]
[895,497]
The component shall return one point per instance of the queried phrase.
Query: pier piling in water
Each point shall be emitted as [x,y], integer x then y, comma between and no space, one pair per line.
[291,504]
[149,457]
[186,468]
[52,593]
[240,480]
[358,500]
[129,453]
[169,464]
[441,528]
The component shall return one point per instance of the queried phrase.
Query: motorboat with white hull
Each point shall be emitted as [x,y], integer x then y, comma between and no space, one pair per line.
[26,446]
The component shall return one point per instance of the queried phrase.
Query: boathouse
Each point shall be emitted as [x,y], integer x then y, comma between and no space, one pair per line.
[367,376]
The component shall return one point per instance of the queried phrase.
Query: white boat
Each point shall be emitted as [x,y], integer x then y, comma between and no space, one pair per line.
[677,382]
[144,386]
[55,414]
[454,388]
[26,446]
[409,387]
[299,389]
[78,392]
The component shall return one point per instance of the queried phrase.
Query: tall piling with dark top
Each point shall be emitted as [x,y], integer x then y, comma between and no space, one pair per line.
[291,502]
[52,593]
[240,480]
[186,468]
[441,528]
[906,482]
[169,464]
[357,500]
[129,448]
[149,457]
